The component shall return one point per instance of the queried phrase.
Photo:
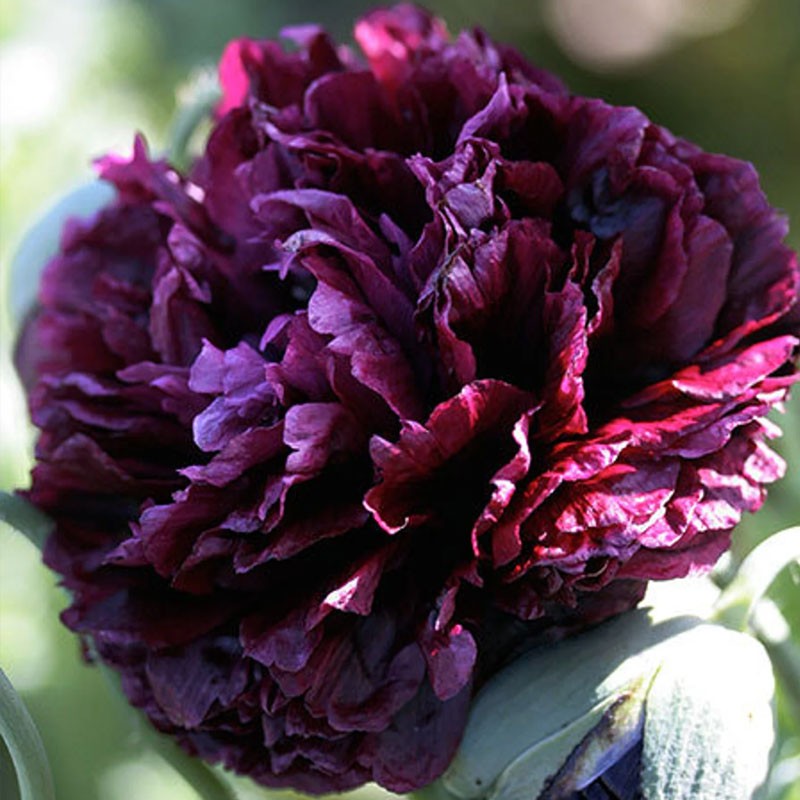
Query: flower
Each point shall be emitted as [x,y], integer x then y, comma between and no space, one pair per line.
[422,357]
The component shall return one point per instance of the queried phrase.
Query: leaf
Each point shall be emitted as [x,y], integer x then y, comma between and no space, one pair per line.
[25,518]
[29,770]
[527,720]
[709,725]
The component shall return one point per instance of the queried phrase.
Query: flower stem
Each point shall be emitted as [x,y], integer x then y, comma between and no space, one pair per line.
[737,602]
[28,776]
[772,630]
[202,778]
[196,100]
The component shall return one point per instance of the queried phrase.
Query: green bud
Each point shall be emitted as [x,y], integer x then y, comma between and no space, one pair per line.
[698,698]
[709,725]
[529,718]
[619,729]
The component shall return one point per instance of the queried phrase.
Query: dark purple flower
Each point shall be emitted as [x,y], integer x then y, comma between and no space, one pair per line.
[423,354]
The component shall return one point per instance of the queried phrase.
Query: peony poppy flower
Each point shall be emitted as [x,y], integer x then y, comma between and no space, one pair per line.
[423,357]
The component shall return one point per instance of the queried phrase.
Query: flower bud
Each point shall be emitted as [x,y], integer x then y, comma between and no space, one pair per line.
[709,725]
[696,697]
[532,715]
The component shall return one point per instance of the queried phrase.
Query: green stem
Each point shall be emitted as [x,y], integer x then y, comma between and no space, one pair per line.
[433,791]
[201,777]
[31,775]
[736,604]
[196,101]
[772,630]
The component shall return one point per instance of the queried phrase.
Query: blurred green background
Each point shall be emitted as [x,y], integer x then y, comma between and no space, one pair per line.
[77,78]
